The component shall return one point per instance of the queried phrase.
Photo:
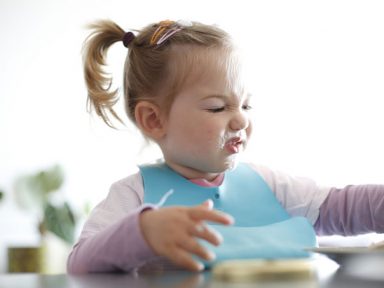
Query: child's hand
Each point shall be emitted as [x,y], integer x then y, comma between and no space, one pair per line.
[172,232]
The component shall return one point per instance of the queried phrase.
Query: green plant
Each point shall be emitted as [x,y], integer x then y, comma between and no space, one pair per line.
[39,193]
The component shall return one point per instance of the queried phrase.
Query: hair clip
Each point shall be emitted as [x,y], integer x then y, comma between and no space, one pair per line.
[166,29]
[168,34]
[127,38]
[162,26]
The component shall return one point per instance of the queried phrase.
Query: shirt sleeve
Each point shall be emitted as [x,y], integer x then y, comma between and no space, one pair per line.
[353,210]
[111,239]
[300,196]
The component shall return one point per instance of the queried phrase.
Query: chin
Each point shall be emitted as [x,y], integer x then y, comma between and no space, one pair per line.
[214,165]
[218,168]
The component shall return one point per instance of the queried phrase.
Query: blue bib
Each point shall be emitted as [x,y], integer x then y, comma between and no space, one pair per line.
[262,228]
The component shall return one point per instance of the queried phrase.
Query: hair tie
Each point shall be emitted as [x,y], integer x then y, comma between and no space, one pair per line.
[128,37]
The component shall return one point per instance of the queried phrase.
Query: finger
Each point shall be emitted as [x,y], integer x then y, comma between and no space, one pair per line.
[184,259]
[208,204]
[210,215]
[208,234]
[193,246]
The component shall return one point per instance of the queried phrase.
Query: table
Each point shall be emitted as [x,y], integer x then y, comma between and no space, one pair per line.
[169,280]
[333,278]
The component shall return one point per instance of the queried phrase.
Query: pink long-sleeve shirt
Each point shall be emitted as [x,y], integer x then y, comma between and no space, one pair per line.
[112,241]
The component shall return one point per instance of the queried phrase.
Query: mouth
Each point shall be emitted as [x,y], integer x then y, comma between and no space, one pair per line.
[234,145]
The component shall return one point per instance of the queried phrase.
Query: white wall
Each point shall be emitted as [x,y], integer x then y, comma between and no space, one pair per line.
[317,70]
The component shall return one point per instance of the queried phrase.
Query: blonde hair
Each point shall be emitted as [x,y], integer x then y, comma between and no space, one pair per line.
[149,68]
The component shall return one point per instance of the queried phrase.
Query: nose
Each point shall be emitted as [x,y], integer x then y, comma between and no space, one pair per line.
[239,121]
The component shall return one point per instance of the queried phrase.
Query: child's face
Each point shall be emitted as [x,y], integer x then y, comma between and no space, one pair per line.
[209,122]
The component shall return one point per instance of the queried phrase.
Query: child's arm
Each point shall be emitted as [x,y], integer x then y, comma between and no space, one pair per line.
[349,211]
[119,246]
[111,239]
[352,210]
[170,232]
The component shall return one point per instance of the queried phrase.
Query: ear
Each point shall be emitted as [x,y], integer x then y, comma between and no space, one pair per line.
[149,120]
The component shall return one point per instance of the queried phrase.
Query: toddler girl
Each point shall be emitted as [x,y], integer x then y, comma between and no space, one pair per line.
[183,90]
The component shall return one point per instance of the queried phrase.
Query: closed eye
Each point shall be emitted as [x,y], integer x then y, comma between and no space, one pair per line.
[216,110]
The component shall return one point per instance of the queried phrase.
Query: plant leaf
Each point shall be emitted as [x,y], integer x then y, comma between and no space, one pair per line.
[60,221]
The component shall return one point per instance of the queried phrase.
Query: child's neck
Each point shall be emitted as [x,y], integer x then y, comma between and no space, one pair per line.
[190,173]
[205,183]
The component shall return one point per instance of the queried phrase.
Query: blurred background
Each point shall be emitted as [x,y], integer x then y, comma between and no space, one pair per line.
[316,69]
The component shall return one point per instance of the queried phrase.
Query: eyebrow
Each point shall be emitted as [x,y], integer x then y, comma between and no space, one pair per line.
[220,96]
[224,96]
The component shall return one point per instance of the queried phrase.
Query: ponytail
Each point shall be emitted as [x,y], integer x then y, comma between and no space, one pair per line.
[100,96]
[155,62]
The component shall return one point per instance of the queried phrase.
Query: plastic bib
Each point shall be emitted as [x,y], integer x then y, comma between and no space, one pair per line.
[262,229]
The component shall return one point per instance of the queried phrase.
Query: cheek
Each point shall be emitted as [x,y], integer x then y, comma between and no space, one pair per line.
[200,134]
[214,132]
[212,135]
[187,131]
